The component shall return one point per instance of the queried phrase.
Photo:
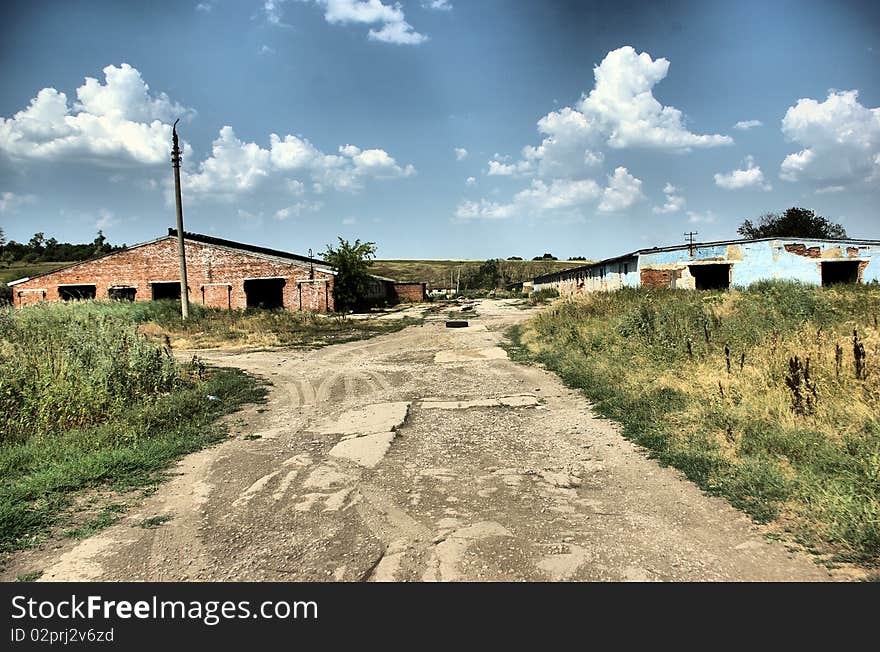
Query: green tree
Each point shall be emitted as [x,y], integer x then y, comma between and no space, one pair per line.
[51,249]
[100,244]
[352,262]
[488,275]
[794,223]
[37,243]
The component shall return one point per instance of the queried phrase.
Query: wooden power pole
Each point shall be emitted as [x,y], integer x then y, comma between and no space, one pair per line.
[690,239]
[181,252]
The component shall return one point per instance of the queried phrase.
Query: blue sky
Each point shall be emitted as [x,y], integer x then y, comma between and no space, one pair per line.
[438,129]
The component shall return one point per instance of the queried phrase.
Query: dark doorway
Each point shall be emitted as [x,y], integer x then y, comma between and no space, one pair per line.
[122,293]
[711,277]
[170,290]
[264,293]
[76,292]
[840,271]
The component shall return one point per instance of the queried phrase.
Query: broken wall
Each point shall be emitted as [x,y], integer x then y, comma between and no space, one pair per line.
[784,258]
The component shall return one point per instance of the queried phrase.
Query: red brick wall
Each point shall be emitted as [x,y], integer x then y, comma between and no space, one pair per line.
[410,291]
[656,278]
[206,265]
[802,250]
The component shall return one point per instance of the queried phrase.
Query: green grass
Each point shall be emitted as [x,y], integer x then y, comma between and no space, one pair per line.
[108,515]
[20,269]
[656,362]
[88,403]
[154,522]
[33,576]
[215,327]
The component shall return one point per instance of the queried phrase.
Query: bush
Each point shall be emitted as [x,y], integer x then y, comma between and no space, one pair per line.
[543,296]
[86,401]
[64,367]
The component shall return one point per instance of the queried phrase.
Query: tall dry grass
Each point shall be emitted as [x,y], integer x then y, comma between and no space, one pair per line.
[764,396]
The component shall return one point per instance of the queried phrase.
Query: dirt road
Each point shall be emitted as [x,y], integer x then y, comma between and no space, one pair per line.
[425,455]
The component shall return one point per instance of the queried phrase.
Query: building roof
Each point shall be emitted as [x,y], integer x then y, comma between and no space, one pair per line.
[262,252]
[241,246]
[697,245]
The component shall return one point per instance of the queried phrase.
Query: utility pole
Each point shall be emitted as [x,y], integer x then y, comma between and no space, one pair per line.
[181,253]
[690,239]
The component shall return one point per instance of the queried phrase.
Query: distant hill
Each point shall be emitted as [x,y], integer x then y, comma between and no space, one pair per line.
[437,272]
[20,269]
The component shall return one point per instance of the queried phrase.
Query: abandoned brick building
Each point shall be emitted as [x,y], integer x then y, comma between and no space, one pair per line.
[220,274]
[725,264]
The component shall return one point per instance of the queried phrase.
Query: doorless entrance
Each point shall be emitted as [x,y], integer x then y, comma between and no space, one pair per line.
[264,292]
[840,271]
[169,290]
[711,277]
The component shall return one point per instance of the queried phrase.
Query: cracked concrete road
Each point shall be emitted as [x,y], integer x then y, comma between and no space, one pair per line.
[425,455]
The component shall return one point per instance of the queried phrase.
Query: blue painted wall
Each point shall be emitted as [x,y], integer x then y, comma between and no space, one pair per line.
[769,259]
[751,261]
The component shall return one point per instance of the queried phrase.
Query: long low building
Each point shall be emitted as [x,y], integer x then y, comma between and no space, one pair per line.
[220,274]
[724,264]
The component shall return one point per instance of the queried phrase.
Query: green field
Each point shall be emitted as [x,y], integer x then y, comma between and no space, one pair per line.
[764,396]
[20,269]
[437,272]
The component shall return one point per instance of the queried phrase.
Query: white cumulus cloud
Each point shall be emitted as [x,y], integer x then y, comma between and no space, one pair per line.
[106,219]
[299,208]
[745,125]
[623,104]
[674,202]
[10,201]
[560,193]
[389,21]
[115,122]
[272,9]
[706,217]
[498,168]
[237,168]
[620,112]
[559,196]
[623,191]
[460,153]
[483,209]
[750,177]
[840,140]
[437,5]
